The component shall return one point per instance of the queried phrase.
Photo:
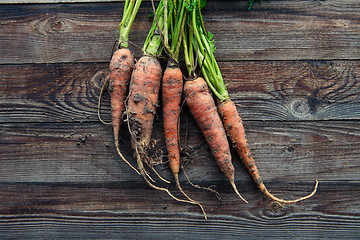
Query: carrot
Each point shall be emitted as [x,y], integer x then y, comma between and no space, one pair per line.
[172,85]
[143,99]
[230,117]
[121,66]
[141,106]
[234,127]
[202,107]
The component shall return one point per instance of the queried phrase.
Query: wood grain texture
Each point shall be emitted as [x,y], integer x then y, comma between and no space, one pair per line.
[69,152]
[285,30]
[291,91]
[280,30]
[291,67]
[110,211]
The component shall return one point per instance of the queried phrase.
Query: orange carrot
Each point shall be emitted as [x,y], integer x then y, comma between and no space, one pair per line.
[141,108]
[235,129]
[172,85]
[121,66]
[202,107]
[143,99]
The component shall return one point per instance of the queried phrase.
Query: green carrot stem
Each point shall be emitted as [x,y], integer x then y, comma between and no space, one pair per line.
[153,45]
[178,45]
[205,52]
[188,62]
[126,6]
[165,30]
[130,10]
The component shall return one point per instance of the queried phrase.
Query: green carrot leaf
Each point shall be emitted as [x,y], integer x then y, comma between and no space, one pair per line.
[251,3]
[151,15]
[203,3]
[190,6]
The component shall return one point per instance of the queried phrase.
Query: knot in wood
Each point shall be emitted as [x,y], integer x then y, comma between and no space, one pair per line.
[98,80]
[56,24]
[300,107]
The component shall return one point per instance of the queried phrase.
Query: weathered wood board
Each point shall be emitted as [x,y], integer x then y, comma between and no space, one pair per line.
[280,30]
[292,68]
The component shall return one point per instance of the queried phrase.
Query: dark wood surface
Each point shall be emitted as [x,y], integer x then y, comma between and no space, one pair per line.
[292,68]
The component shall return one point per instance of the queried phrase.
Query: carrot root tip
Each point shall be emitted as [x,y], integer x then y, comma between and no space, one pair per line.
[237,192]
[267,193]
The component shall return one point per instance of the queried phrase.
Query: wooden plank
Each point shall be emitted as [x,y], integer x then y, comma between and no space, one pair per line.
[107,211]
[50,33]
[301,90]
[280,30]
[285,30]
[285,152]
[51,92]
[59,172]
[291,91]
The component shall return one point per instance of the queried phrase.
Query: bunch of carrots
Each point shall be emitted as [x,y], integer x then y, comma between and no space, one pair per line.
[134,88]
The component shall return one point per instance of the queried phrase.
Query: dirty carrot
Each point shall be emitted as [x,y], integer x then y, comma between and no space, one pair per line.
[227,109]
[203,108]
[143,99]
[172,84]
[121,66]
[144,89]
